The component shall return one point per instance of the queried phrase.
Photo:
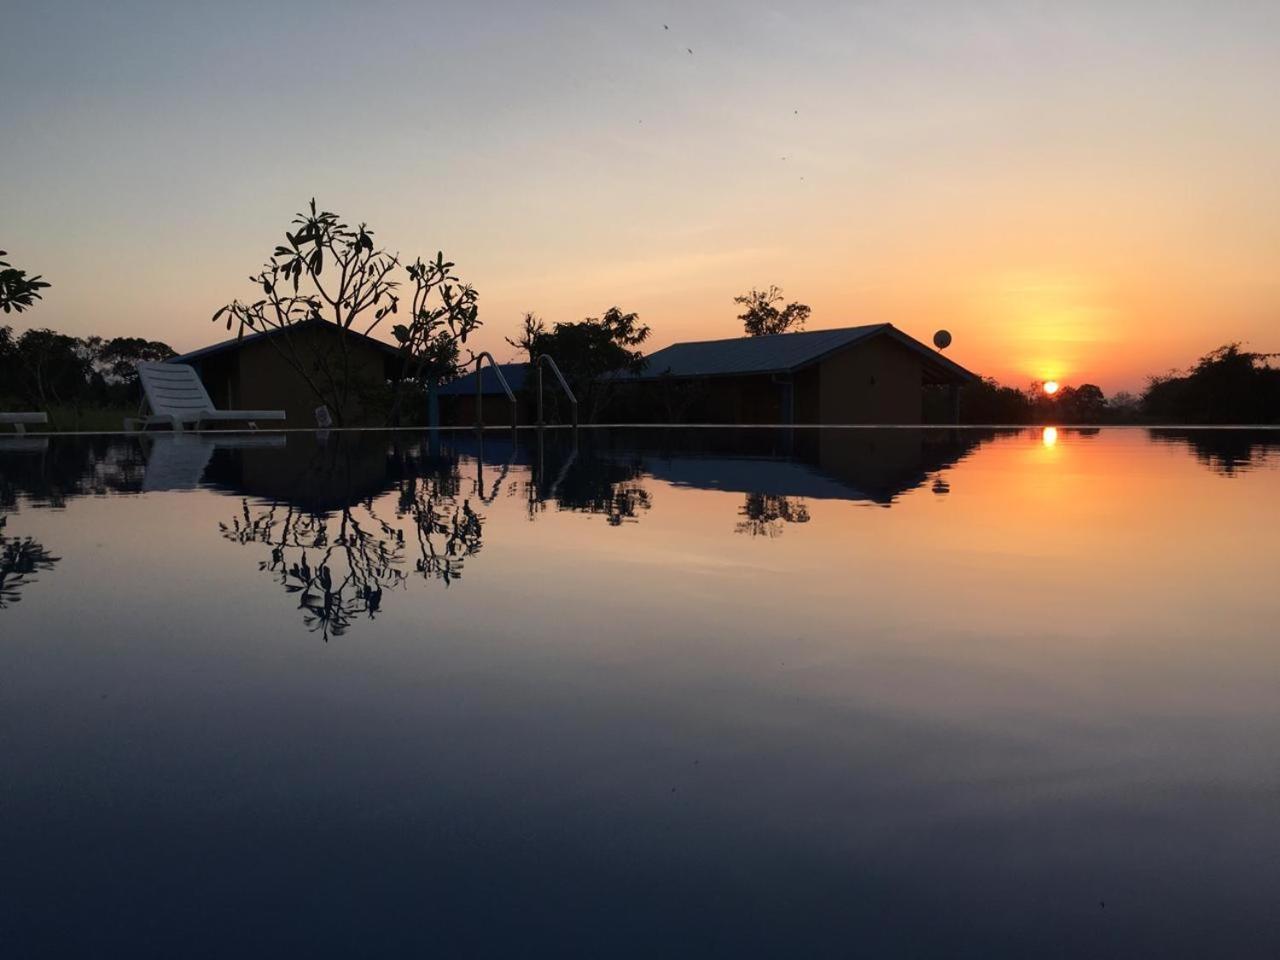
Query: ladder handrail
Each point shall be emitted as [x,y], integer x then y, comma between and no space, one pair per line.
[564,385]
[480,389]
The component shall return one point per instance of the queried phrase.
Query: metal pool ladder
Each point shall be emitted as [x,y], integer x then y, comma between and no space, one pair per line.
[493,364]
[542,360]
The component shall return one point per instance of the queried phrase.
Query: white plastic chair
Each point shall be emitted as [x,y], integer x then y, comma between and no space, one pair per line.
[177,397]
[178,461]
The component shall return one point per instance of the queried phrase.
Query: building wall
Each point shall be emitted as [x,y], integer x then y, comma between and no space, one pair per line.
[459,410]
[807,395]
[256,376]
[879,381]
[752,399]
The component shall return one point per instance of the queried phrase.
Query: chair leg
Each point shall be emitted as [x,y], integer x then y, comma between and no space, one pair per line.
[137,424]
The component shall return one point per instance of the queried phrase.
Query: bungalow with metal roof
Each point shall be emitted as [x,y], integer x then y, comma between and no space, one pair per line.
[867,374]
[458,397]
[254,372]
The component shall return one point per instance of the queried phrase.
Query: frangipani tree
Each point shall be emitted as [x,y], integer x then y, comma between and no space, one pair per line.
[18,291]
[328,271]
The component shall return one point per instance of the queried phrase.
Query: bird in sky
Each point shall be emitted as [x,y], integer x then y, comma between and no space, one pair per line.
[690,49]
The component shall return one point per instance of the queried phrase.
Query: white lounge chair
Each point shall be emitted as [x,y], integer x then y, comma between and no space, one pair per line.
[176,397]
[178,461]
[23,445]
[20,420]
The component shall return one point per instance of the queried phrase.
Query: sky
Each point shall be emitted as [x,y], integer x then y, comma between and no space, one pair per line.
[1086,192]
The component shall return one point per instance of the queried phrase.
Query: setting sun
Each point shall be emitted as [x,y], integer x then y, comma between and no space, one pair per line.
[1051,387]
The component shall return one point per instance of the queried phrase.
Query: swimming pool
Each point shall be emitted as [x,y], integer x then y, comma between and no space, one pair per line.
[800,693]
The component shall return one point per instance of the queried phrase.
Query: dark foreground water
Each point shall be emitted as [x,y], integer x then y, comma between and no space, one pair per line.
[842,693]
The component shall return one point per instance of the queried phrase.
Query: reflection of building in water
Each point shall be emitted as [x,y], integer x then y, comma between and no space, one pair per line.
[776,470]
[869,465]
[332,537]
[580,473]
[309,473]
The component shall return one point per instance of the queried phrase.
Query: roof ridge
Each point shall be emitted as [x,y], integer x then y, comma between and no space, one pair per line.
[771,336]
[776,353]
[270,331]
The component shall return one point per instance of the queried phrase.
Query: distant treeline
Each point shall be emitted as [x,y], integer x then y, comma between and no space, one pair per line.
[73,376]
[1228,385]
[45,370]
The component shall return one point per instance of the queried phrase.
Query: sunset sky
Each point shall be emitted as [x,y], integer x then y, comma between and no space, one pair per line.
[1078,191]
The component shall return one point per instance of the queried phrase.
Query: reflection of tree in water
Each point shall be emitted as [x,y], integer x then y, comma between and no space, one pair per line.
[1227,452]
[341,562]
[586,479]
[339,571]
[67,469]
[446,532]
[764,514]
[591,483]
[21,558]
[50,476]
[618,501]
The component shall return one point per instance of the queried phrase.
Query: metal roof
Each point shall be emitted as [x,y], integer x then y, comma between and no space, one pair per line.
[779,353]
[463,386]
[236,342]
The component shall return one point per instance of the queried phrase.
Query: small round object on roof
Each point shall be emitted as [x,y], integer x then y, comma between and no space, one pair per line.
[942,339]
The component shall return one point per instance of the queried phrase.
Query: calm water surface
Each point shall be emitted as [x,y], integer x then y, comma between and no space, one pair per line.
[837,693]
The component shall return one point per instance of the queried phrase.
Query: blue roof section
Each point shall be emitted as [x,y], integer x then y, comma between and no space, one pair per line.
[778,353]
[741,355]
[515,374]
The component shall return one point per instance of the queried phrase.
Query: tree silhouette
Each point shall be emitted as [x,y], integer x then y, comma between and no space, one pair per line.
[762,316]
[1226,385]
[1083,404]
[46,368]
[18,292]
[532,327]
[329,271]
[587,352]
